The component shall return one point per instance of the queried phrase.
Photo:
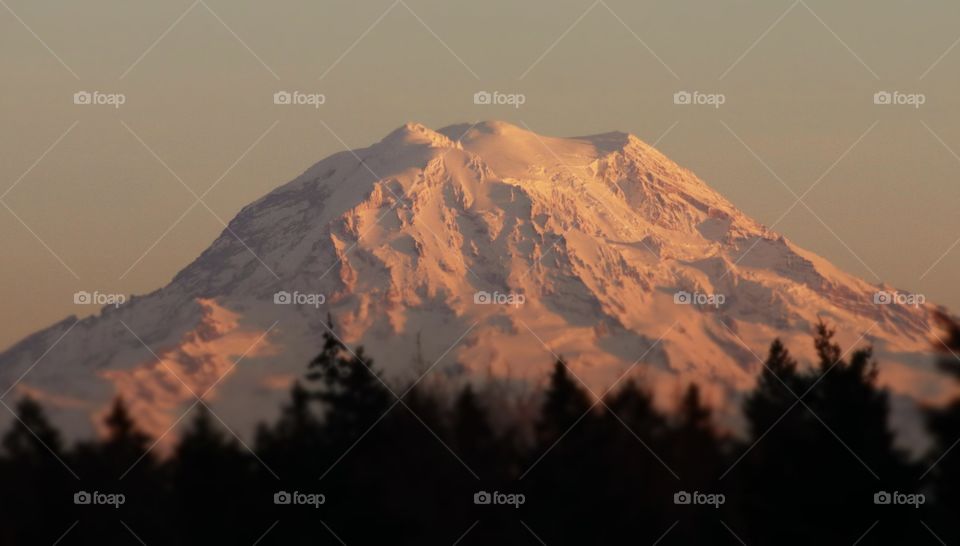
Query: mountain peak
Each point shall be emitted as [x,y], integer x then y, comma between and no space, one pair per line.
[418,134]
[417,241]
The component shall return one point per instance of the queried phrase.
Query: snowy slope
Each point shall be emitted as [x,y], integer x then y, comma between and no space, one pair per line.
[594,235]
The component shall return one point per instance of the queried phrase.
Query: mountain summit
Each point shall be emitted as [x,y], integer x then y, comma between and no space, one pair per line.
[471,251]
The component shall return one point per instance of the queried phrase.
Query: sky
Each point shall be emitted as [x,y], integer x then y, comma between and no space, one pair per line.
[118,198]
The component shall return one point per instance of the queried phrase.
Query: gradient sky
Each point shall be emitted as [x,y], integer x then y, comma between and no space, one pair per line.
[88,199]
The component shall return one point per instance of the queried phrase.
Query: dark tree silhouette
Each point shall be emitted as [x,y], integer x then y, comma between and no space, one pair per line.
[123,462]
[776,391]
[637,470]
[37,486]
[942,466]
[352,392]
[780,448]
[821,452]
[565,404]
[698,461]
[474,437]
[405,471]
[208,474]
[294,440]
[566,465]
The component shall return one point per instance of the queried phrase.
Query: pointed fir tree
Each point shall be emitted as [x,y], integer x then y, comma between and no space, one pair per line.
[38,479]
[208,469]
[32,437]
[473,435]
[776,391]
[941,467]
[567,462]
[565,404]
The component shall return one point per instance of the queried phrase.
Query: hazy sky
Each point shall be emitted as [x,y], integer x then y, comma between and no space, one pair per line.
[799,80]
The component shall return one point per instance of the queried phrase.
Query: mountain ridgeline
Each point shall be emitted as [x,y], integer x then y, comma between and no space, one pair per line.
[484,250]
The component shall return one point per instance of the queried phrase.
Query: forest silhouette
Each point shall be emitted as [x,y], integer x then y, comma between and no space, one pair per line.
[355,460]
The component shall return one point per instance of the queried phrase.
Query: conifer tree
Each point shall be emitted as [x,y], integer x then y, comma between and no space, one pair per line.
[212,484]
[566,465]
[565,404]
[37,479]
[941,468]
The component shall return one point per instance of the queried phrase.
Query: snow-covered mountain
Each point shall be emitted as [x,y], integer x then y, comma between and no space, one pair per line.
[486,249]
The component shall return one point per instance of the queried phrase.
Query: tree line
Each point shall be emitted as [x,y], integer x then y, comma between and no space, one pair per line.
[354,460]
